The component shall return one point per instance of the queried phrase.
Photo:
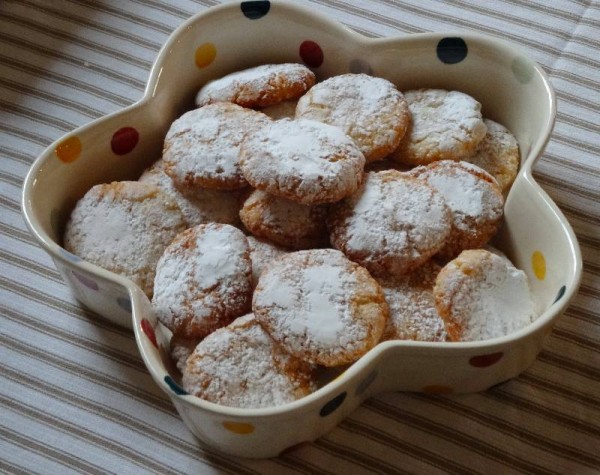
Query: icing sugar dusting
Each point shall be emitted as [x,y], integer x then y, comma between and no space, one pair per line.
[306,301]
[203,279]
[485,296]
[303,160]
[393,218]
[240,366]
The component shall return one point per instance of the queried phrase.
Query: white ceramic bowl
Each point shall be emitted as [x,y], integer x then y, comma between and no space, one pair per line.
[536,236]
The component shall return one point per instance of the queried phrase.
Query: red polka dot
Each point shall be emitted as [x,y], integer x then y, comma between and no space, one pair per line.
[124,140]
[149,331]
[311,53]
[483,361]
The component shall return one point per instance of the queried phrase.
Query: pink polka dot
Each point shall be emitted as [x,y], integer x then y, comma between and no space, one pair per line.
[311,53]
[482,361]
[124,140]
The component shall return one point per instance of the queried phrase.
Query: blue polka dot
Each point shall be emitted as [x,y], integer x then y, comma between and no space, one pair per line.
[332,405]
[255,10]
[452,50]
[174,386]
[560,294]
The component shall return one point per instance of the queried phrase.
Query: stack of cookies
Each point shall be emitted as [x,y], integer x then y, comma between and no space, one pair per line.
[292,225]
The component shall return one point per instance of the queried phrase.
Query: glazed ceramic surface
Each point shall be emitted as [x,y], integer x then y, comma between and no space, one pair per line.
[535,235]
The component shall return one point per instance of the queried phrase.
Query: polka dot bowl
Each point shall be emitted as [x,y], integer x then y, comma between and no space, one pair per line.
[535,235]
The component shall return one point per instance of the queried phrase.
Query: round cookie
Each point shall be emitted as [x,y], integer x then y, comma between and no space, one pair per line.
[302,160]
[320,306]
[202,146]
[391,225]
[285,222]
[474,197]
[124,227]
[446,125]
[481,295]
[181,348]
[371,110]
[498,154]
[413,315]
[241,366]
[203,280]
[281,110]
[198,205]
[262,253]
[261,86]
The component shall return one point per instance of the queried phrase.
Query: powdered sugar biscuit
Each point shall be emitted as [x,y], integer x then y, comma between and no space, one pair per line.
[413,315]
[481,295]
[198,205]
[446,125]
[285,222]
[392,224]
[320,306]
[302,160]
[181,348]
[202,146]
[260,86]
[281,110]
[474,197]
[241,366]
[203,280]
[371,110]
[262,253]
[124,227]
[498,154]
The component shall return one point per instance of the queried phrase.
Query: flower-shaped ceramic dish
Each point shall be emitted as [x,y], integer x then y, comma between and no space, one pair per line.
[535,235]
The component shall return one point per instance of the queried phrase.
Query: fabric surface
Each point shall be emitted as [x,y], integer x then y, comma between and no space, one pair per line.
[75,394]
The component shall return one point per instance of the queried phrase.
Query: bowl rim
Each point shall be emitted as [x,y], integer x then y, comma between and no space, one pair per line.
[57,252]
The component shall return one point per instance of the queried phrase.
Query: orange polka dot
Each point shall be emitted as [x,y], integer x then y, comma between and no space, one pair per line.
[239,427]
[69,149]
[437,389]
[538,262]
[205,54]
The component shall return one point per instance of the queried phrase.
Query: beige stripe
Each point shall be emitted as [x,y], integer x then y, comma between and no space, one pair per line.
[65,307]
[134,19]
[183,446]
[463,440]
[62,425]
[26,91]
[64,80]
[62,14]
[396,444]
[61,457]
[515,430]
[70,338]
[78,40]
[560,390]
[534,406]
[91,374]
[360,459]
[13,469]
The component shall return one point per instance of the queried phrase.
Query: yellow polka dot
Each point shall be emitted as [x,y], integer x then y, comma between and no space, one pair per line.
[69,149]
[538,262]
[437,389]
[239,427]
[205,54]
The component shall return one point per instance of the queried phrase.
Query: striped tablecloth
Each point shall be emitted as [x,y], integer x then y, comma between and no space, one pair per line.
[76,396]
